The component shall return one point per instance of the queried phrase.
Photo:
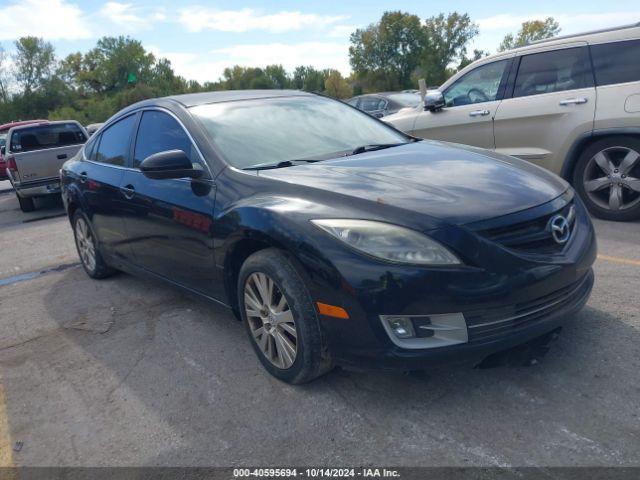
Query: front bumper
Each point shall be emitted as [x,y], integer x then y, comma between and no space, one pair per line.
[506,298]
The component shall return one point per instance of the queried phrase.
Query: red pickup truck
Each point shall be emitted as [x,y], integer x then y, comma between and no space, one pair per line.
[4,129]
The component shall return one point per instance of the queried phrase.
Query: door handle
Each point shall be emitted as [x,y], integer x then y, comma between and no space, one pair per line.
[128,191]
[572,101]
[479,113]
[62,156]
[83,177]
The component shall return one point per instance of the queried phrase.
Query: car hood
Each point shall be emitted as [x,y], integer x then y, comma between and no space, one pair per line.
[454,183]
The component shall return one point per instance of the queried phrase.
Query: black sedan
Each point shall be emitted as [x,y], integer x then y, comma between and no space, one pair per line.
[336,239]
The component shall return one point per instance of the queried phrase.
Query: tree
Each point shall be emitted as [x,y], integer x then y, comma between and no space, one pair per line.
[530,32]
[388,51]
[336,86]
[477,55]
[34,63]
[115,63]
[4,77]
[308,79]
[447,39]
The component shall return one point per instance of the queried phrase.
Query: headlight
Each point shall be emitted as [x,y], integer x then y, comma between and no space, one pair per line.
[388,242]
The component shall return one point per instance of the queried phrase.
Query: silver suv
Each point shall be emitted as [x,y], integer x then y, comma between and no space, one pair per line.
[569,104]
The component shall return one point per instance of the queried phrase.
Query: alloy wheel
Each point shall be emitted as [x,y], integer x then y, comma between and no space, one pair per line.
[271,320]
[609,178]
[86,245]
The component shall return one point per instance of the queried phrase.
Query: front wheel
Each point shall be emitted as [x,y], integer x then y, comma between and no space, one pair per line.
[280,319]
[607,177]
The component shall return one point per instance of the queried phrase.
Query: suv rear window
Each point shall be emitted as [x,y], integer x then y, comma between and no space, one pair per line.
[616,62]
[46,136]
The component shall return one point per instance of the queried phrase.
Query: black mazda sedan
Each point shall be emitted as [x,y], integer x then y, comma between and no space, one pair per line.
[336,239]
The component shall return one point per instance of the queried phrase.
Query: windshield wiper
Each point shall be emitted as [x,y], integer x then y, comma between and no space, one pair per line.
[373,147]
[283,164]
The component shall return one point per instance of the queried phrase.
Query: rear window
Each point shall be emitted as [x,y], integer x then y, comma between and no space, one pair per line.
[46,136]
[616,62]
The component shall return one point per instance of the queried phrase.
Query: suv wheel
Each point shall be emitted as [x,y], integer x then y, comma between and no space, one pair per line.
[607,176]
[26,204]
[280,319]
[88,248]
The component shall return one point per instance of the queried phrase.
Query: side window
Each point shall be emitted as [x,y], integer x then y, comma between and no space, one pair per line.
[370,104]
[159,132]
[479,85]
[115,141]
[616,62]
[553,71]
[90,149]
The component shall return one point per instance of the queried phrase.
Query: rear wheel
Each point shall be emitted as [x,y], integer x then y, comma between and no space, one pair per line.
[607,176]
[26,204]
[280,318]
[88,249]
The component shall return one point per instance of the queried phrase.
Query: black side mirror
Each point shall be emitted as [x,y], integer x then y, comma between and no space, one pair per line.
[3,150]
[434,101]
[169,164]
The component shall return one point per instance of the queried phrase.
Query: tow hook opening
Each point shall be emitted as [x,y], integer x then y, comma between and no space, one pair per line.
[525,355]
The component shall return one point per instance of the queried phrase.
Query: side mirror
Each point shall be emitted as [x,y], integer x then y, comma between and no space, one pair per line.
[169,164]
[3,150]
[434,101]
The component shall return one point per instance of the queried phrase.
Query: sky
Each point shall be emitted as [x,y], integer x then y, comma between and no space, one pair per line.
[202,37]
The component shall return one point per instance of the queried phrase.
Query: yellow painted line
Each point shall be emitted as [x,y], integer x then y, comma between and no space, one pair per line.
[6,456]
[623,261]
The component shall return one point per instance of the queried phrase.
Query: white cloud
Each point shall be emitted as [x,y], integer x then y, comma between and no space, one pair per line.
[342,31]
[570,23]
[209,67]
[127,15]
[50,19]
[196,19]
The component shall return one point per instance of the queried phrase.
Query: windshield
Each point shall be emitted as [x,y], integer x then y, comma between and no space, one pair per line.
[273,130]
[406,99]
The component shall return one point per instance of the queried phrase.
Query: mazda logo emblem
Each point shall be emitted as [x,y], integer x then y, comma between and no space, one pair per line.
[560,230]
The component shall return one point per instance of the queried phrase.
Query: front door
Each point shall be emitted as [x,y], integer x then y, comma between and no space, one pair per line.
[470,105]
[170,222]
[553,102]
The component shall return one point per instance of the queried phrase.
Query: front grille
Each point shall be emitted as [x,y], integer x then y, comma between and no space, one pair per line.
[487,325]
[533,236]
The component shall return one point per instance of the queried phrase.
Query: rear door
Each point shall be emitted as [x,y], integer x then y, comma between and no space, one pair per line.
[40,151]
[470,106]
[170,222]
[101,176]
[552,101]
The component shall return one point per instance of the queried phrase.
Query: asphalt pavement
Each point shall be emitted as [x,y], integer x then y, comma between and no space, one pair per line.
[128,371]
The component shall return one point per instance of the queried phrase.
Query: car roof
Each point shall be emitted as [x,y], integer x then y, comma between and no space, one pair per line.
[193,99]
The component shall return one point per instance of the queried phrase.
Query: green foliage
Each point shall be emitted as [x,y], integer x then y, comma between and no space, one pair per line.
[385,54]
[530,32]
[34,63]
[336,86]
[393,53]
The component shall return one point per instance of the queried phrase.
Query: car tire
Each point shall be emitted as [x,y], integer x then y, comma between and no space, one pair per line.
[278,326]
[88,248]
[604,180]
[26,204]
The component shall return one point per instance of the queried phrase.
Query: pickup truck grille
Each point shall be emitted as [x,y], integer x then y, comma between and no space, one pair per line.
[533,236]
